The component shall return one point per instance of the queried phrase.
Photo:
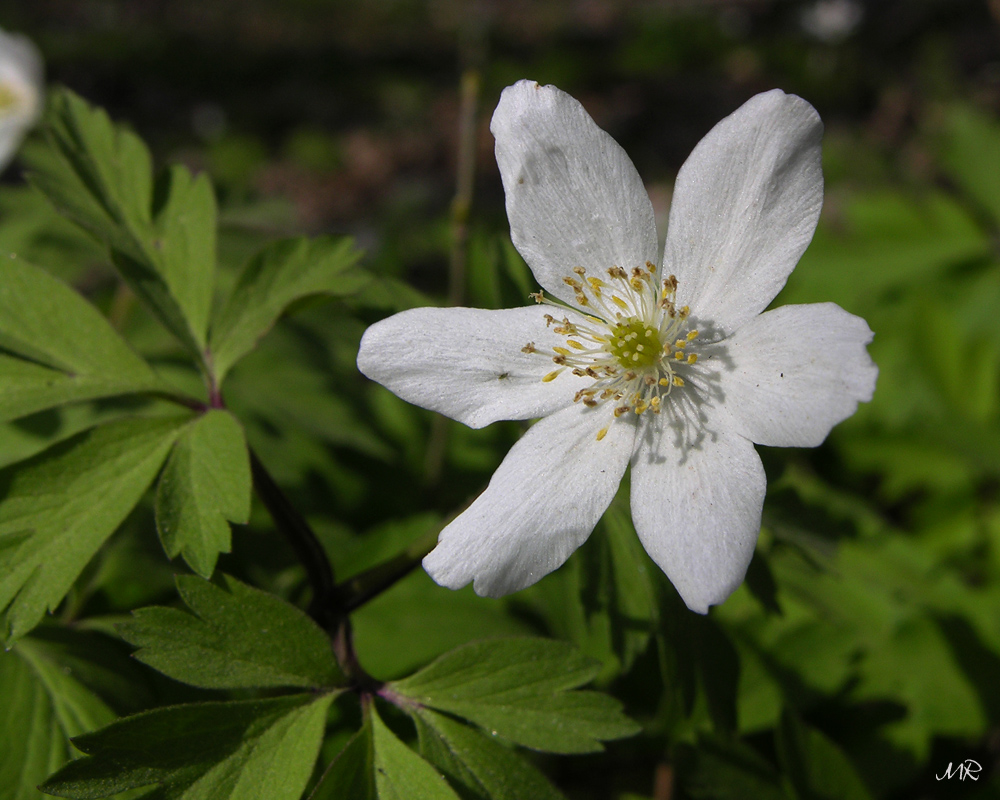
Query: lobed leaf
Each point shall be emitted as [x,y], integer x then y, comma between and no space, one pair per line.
[281,274]
[478,763]
[246,749]
[161,237]
[205,483]
[237,638]
[60,506]
[61,349]
[400,774]
[352,773]
[517,689]
[41,707]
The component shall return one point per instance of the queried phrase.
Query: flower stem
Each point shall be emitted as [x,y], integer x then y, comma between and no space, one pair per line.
[460,205]
[304,542]
[355,592]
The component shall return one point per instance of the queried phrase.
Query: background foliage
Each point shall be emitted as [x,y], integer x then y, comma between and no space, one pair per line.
[860,658]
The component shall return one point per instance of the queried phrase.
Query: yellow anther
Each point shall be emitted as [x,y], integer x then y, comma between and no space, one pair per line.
[680,344]
[679,355]
[639,409]
[685,312]
[602,433]
[561,351]
[551,376]
[619,302]
[654,403]
[692,335]
[575,344]
[596,283]
[572,282]
[692,358]
[664,382]
[677,380]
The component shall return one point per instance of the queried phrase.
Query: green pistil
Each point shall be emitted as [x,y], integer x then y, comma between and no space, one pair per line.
[634,344]
[8,99]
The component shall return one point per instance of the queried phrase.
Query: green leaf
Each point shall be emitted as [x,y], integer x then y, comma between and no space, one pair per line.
[205,483]
[238,638]
[246,749]
[400,774]
[972,156]
[60,506]
[74,353]
[41,707]
[351,775]
[161,237]
[480,764]
[818,769]
[278,276]
[517,689]
[726,770]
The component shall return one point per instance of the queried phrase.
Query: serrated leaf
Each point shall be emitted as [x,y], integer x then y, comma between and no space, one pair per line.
[817,768]
[517,689]
[74,353]
[245,749]
[205,483]
[161,237]
[351,775]
[478,763]
[281,274]
[400,774]
[41,707]
[238,637]
[60,506]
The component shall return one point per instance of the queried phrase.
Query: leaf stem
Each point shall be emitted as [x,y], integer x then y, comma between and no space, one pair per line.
[303,541]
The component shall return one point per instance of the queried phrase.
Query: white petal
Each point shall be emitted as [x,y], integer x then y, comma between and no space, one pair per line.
[793,373]
[468,363]
[542,503]
[696,507]
[21,75]
[744,209]
[573,195]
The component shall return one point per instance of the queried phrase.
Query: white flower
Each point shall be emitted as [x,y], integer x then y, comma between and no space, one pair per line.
[674,370]
[21,90]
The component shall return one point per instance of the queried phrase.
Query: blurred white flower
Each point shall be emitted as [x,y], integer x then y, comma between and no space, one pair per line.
[831,20]
[21,91]
[674,370]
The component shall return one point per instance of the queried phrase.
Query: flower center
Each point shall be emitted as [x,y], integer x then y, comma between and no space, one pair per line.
[632,342]
[9,99]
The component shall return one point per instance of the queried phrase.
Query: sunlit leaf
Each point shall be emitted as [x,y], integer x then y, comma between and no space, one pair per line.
[60,506]
[400,774]
[246,749]
[519,689]
[161,236]
[68,351]
[278,276]
[478,763]
[237,637]
[41,707]
[204,486]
